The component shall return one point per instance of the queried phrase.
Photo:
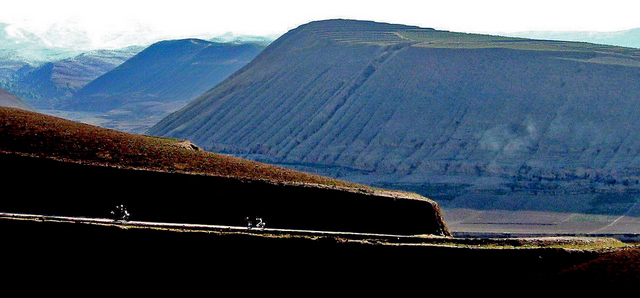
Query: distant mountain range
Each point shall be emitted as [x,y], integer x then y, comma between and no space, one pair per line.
[52,74]
[479,121]
[159,80]
[54,83]
[48,68]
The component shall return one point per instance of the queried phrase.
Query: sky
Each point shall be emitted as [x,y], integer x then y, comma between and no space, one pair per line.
[103,21]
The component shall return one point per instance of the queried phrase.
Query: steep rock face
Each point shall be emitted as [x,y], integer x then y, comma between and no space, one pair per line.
[161,79]
[407,104]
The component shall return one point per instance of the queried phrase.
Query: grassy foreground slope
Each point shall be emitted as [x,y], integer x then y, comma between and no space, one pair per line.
[76,169]
[39,135]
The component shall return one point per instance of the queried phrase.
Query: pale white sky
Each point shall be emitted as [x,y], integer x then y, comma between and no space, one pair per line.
[185,18]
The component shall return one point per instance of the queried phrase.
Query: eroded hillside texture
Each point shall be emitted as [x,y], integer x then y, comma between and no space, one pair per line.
[391,104]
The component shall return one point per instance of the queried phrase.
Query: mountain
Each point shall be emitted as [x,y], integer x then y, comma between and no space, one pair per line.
[474,121]
[47,68]
[9,100]
[53,83]
[159,80]
[168,180]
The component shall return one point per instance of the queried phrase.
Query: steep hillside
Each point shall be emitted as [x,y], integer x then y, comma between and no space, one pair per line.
[75,169]
[471,114]
[161,79]
[54,83]
[9,100]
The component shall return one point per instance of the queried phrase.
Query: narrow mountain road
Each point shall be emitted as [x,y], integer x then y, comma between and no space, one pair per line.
[188,226]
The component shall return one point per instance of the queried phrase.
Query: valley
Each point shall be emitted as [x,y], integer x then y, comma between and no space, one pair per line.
[369,148]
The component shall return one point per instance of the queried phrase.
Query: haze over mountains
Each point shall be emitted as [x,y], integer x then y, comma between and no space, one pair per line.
[420,108]
[52,84]
[159,80]
[51,74]
[47,67]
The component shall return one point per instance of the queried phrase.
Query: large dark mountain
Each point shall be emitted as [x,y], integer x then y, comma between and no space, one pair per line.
[471,120]
[161,79]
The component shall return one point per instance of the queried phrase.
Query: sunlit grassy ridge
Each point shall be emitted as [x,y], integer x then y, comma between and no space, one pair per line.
[361,32]
[34,134]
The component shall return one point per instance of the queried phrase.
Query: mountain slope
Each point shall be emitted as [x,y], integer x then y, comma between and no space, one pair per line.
[162,78]
[9,100]
[84,170]
[54,83]
[385,103]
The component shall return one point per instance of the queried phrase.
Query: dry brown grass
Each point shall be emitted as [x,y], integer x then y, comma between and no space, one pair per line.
[34,134]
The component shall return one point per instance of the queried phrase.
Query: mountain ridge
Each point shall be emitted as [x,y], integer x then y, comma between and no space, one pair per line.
[158,80]
[54,83]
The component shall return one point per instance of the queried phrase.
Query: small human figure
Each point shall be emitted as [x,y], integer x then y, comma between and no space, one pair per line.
[259,223]
[120,213]
[249,223]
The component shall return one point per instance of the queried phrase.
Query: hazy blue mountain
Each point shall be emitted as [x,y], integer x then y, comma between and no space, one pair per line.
[159,80]
[54,83]
[478,121]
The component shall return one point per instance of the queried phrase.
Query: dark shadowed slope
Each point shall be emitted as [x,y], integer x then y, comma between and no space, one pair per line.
[415,105]
[81,170]
[161,79]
